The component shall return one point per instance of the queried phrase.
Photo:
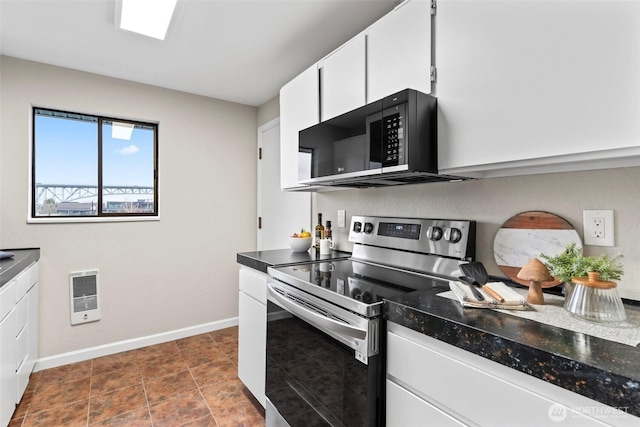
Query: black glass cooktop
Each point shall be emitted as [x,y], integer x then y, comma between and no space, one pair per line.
[352,281]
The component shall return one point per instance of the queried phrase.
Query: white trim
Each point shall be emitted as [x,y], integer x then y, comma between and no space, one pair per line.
[51,219]
[132,344]
[270,124]
[69,219]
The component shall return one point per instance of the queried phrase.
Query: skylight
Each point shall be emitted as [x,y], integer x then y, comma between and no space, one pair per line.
[148,17]
[121,130]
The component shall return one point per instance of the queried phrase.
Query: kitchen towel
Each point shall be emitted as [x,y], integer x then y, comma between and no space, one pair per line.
[553,313]
[512,299]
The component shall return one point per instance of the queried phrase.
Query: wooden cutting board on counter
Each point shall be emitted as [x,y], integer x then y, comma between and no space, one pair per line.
[529,234]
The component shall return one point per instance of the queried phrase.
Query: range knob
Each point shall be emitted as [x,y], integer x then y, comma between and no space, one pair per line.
[357,227]
[368,227]
[452,235]
[434,233]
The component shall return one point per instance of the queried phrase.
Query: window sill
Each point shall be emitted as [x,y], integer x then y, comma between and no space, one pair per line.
[66,220]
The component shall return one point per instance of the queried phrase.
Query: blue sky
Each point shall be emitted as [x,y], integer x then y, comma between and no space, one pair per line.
[67,153]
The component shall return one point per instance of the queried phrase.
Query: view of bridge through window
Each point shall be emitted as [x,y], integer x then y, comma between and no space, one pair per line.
[87,165]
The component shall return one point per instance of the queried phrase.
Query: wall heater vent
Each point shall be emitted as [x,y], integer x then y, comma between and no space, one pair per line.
[84,288]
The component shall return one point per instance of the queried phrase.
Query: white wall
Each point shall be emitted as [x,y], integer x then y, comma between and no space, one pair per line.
[156,276]
[269,110]
[492,201]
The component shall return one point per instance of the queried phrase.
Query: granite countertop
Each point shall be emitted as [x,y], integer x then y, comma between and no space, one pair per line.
[261,260]
[10,267]
[605,371]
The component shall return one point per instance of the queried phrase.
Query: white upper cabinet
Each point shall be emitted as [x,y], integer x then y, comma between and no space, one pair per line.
[533,87]
[399,51]
[391,55]
[299,109]
[343,79]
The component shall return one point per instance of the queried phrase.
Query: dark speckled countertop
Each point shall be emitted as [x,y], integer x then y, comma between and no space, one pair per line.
[260,260]
[605,371]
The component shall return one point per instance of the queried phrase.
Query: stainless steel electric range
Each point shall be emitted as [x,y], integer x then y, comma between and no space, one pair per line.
[325,332]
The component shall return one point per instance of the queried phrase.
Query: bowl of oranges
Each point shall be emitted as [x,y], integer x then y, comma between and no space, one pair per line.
[300,242]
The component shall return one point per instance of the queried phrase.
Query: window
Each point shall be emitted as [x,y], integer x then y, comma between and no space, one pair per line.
[91,166]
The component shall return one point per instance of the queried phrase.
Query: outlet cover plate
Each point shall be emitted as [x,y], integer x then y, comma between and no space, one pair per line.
[598,227]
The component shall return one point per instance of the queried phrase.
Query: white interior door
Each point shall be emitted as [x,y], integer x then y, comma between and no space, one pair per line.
[282,213]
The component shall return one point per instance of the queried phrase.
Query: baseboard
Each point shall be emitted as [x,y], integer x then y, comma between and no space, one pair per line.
[132,344]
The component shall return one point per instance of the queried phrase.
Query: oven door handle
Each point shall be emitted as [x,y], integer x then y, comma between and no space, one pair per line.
[317,319]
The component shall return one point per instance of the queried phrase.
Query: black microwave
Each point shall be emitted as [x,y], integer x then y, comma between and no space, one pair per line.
[388,142]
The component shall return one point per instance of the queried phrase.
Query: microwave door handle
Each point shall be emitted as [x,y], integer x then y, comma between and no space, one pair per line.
[317,319]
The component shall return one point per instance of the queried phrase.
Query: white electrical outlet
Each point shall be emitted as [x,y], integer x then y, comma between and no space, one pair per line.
[598,227]
[341,218]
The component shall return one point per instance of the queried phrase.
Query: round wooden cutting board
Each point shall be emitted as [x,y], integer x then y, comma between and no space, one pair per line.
[529,234]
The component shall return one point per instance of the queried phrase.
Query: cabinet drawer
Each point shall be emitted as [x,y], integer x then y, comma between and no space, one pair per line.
[22,311]
[7,298]
[22,380]
[22,285]
[407,409]
[464,391]
[22,347]
[33,274]
[253,283]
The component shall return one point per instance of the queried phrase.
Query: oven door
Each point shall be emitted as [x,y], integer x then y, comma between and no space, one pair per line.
[323,366]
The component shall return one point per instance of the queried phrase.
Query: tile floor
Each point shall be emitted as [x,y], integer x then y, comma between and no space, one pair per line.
[188,382]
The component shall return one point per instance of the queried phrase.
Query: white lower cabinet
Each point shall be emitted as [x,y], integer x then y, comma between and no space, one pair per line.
[252,331]
[18,338]
[7,352]
[430,382]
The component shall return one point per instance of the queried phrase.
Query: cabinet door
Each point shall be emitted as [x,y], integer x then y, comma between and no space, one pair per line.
[343,79]
[399,51]
[530,86]
[299,109]
[8,383]
[252,342]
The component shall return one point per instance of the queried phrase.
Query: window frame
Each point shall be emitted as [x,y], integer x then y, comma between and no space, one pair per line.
[100,216]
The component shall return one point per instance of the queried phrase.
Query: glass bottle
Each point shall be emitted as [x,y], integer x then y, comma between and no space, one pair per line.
[327,231]
[319,233]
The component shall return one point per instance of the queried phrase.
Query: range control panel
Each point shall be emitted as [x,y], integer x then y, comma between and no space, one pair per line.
[444,237]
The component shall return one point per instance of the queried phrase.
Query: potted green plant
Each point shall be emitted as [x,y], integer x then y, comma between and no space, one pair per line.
[589,290]
[572,263]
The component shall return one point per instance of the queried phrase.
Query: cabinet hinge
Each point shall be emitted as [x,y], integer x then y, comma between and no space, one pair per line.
[259,223]
[433,7]
[432,73]
[260,153]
